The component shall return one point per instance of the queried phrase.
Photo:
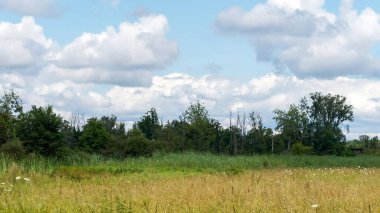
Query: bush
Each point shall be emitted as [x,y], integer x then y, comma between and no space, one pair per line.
[137,144]
[40,129]
[94,136]
[300,149]
[13,148]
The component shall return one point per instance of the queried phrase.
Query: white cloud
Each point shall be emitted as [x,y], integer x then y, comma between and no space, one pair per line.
[127,56]
[134,46]
[31,7]
[303,37]
[23,46]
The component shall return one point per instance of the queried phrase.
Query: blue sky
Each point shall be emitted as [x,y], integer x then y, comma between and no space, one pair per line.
[123,57]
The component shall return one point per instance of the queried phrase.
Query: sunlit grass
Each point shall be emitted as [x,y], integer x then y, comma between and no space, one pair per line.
[192,183]
[266,190]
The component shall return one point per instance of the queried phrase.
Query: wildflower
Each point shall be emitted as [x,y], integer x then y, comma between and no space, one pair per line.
[18,178]
[314,206]
[27,179]
[2,183]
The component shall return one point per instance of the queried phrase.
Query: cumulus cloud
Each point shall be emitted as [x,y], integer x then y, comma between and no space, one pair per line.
[304,38]
[31,7]
[126,56]
[134,46]
[23,46]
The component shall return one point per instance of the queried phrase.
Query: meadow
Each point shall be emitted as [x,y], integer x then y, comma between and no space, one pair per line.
[191,183]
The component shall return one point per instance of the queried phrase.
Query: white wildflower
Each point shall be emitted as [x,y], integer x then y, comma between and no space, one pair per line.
[314,206]
[27,179]
[18,178]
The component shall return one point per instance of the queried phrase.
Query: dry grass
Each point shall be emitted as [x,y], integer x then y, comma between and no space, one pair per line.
[265,190]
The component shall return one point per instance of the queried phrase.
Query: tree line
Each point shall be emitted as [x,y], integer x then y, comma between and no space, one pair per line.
[315,125]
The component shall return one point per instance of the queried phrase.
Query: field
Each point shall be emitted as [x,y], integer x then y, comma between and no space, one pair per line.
[192,183]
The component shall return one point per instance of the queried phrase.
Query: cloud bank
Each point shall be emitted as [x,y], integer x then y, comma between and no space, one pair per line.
[307,40]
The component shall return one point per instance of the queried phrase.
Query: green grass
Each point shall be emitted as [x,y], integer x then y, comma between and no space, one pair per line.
[190,182]
[184,163]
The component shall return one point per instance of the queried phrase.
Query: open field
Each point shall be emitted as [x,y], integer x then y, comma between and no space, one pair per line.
[193,183]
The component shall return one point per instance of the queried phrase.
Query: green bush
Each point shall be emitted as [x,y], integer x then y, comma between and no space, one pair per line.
[94,136]
[40,129]
[13,148]
[300,149]
[137,144]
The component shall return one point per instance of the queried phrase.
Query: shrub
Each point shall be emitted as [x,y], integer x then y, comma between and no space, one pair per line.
[300,149]
[94,137]
[13,148]
[137,144]
[40,129]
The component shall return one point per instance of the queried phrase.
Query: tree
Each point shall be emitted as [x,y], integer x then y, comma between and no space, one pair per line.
[112,126]
[94,136]
[149,124]
[194,113]
[327,115]
[10,108]
[259,137]
[316,122]
[199,130]
[40,129]
[137,144]
[292,124]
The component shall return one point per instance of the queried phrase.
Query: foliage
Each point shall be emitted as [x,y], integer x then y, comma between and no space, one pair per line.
[149,124]
[40,129]
[196,112]
[317,124]
[318,121]
[137,144]
[94,136]
[259,137]
[10,108]
[300,149]
[327,114]
[13,148]
[292,124]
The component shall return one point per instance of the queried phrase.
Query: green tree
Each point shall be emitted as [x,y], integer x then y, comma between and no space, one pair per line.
[199,130]
[259,136]
[137,144]
[317,122]
[292,124]
[328,115]
[149,124]
[112,126]
[10,109]
[194,113]
[95,136]
[40,129]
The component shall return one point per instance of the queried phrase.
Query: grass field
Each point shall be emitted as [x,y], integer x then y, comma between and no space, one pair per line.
[192,183]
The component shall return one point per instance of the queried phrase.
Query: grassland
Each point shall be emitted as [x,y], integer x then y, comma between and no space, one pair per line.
[192,183]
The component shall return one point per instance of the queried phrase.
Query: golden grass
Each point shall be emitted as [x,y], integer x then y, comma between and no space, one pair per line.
[266,190]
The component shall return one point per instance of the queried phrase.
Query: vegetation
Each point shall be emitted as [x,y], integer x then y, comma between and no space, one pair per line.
[191,182]
[315,126]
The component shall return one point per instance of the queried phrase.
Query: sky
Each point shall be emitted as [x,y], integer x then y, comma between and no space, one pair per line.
[103,57]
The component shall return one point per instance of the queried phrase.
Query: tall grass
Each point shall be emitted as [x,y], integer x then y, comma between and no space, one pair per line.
[186,162]
[190,182]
